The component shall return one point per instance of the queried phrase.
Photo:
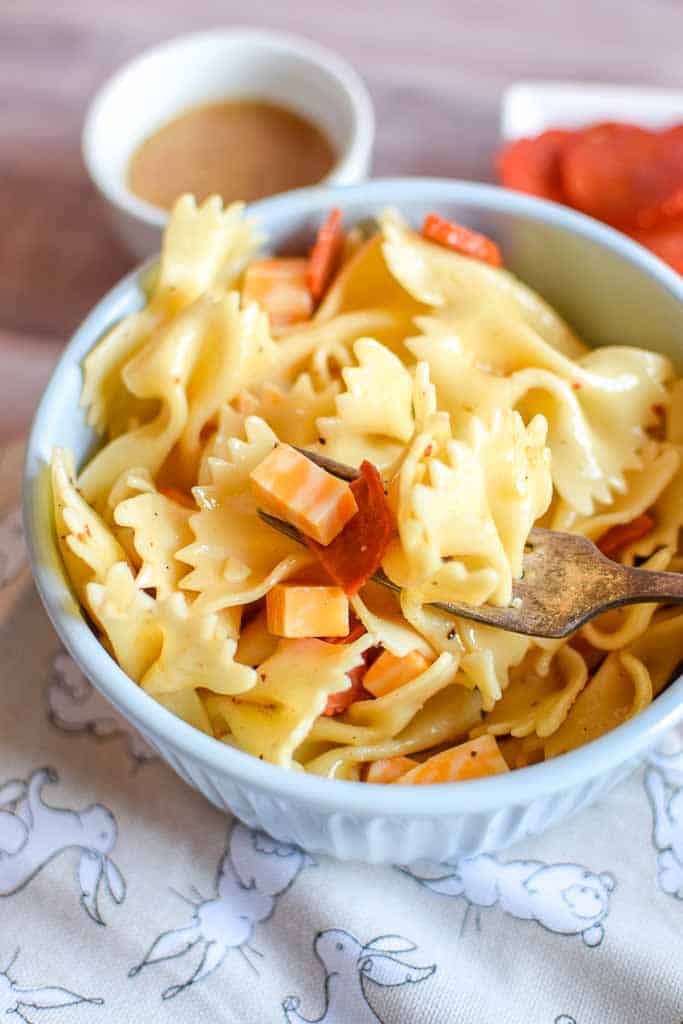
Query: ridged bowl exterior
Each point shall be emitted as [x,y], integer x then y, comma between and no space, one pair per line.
[612,291]
[385,839]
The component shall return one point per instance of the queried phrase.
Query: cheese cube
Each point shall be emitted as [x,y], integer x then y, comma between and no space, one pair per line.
[472,760]
[290,486]
[280,288]
[389,769]
[296,610]
[389,672]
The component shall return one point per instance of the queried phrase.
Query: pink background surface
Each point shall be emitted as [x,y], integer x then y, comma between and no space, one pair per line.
[436,70]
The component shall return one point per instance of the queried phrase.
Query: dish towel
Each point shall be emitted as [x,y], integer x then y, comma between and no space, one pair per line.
[124,896]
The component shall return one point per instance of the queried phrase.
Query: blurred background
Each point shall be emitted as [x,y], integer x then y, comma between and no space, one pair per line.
[435,69]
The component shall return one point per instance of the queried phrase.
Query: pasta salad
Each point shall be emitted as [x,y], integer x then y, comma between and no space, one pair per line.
[472,412]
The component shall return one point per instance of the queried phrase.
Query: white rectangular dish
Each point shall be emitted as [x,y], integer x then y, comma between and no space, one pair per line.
[529,108]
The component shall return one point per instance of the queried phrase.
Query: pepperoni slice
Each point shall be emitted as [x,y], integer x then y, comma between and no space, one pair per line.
[535,165]
[340,701]
[623,174]
[618,537]
[325,255]
[357,552]
[461,239]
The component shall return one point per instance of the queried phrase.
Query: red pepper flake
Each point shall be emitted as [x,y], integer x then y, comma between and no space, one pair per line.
[357,552]
[614,540]
[461,239]
[577,385]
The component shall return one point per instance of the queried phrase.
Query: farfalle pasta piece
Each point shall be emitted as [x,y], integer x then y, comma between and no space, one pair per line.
[596,429]
[390,714]
[617,689]
[465,509]
[337,442]
[485,654]
[597,407]
[197,652]
[112,409]
[237,353]
[130,483]
[464,389]
[444,279]
[160,370]
[317,345]
[235,557]
[378,396]
[160,529]
[380,612]
[623,626]
[537,704]
[644,487]
[667,512]
[446,718]
[292,413]
[205,247]
[374,416]
[362,281]
[187,705]
[127,617]
[293,686]
[88,547]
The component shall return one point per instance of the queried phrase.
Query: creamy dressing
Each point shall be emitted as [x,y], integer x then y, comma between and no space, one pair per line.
[238,149]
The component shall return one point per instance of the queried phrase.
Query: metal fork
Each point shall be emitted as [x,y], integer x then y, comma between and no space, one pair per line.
[566,579]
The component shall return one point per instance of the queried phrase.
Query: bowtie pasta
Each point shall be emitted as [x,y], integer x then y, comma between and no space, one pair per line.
[472,411]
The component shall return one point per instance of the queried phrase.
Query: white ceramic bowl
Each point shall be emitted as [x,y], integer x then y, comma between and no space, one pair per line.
[206,67]
[613,291]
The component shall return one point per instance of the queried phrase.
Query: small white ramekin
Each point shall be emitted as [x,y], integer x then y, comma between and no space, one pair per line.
[206,67]
[613,291]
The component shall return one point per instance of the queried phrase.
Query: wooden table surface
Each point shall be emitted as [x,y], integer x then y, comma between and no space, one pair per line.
[435,68]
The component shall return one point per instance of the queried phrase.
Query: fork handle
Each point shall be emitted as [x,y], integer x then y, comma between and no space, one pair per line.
[645,585]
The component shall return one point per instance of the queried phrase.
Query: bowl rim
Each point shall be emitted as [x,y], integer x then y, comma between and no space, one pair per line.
[577,767]
[348,80]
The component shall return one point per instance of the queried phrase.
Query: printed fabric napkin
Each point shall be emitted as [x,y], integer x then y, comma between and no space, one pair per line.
[124,896]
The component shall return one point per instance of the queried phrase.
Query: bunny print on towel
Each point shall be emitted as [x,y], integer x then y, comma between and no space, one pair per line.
[74,705]
[664,787]
[348,967]
[12,546]
[15,999]
[33,833]
[253,872]
[567,899]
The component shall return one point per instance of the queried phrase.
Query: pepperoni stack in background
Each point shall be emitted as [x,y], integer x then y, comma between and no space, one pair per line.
[628,176]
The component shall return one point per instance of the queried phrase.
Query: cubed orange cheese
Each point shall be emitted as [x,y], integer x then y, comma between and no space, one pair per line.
[293,488]
[389,672]
[296,610]
[389,769]
[470,760]
[279,287]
